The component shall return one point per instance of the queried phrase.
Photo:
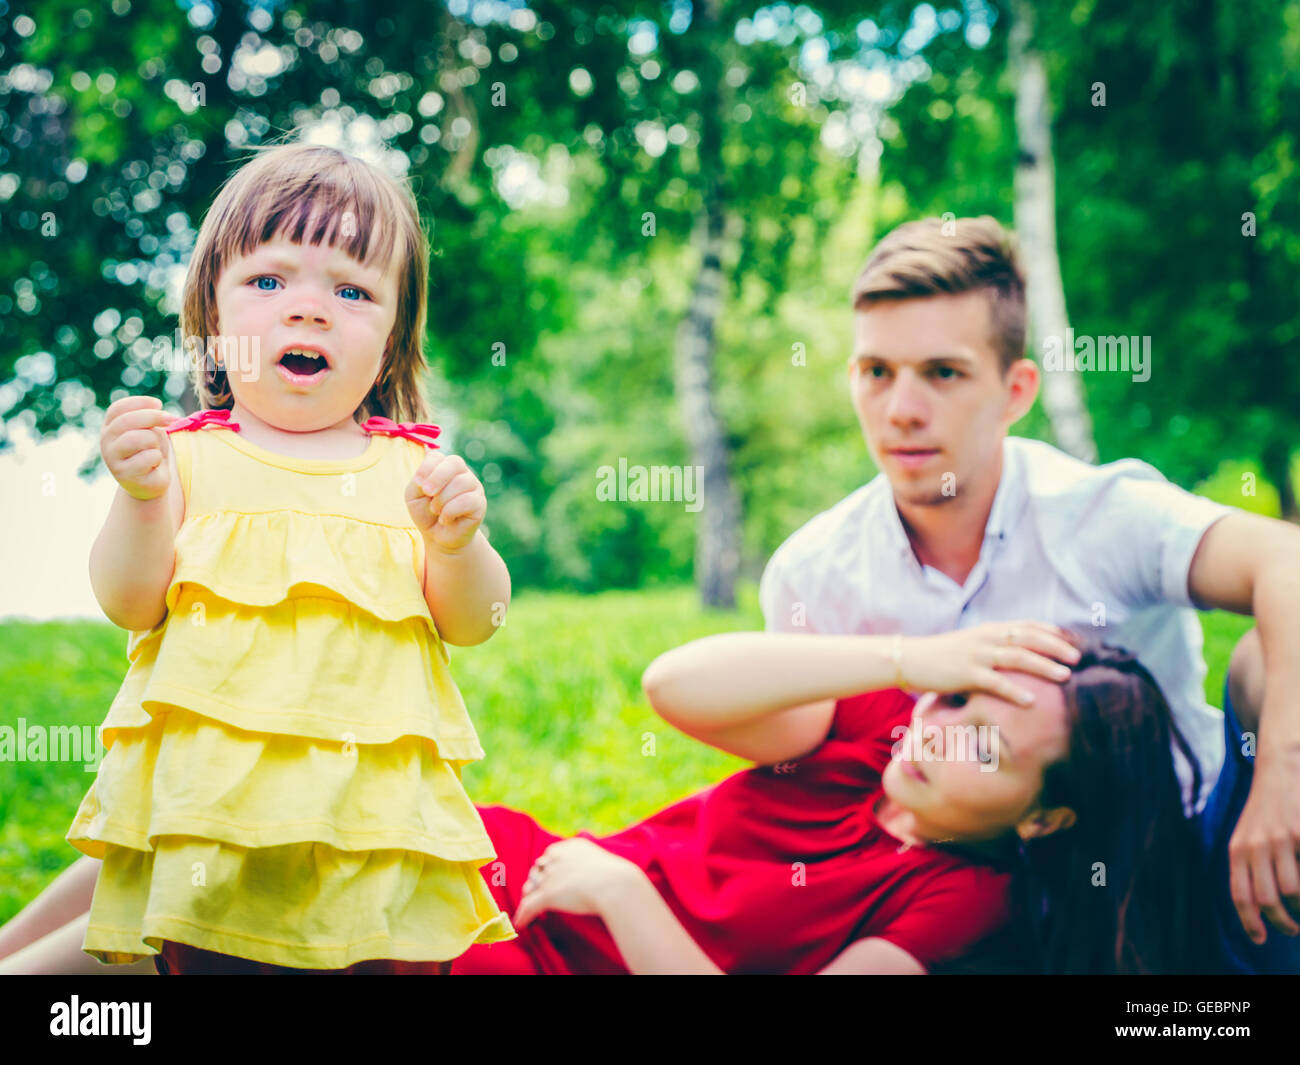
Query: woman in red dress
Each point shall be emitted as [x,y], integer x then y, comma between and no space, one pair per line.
[875,833]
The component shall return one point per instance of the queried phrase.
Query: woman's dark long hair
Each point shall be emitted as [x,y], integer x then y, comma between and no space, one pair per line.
[1123,890]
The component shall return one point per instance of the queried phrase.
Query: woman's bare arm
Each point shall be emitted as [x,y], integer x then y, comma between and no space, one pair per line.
[652,940]
[734,677]
[770,697]
[765,697]
[647,933]
[873,957]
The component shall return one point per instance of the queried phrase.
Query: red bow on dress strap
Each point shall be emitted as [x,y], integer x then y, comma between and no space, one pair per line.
[217,419]
[417,431]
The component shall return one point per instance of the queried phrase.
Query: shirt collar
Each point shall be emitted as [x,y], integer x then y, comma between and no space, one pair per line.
[1008,501]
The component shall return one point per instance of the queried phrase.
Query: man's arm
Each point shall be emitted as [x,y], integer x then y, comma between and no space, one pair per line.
[1249,564]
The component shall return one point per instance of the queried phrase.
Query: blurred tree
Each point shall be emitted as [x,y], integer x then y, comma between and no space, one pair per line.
[656,120]
[1180,221]
[1177,208]
[688,163]
[1036,228]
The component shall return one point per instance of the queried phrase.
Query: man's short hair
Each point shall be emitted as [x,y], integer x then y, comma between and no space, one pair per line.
[931,257]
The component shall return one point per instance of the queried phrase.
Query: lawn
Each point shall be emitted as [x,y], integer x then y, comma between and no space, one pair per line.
[555,696]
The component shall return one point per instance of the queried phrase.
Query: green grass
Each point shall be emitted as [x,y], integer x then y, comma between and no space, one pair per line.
[555,697]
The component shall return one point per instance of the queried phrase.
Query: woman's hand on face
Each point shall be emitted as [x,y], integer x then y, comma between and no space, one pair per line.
[972,659]
[573,876]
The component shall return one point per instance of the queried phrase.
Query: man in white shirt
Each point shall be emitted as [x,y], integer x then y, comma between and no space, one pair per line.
[966,525]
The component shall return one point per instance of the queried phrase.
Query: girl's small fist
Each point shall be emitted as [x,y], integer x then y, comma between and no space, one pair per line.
[446,501]
[135,447]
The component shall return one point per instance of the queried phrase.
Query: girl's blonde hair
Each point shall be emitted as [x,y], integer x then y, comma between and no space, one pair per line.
[305,193]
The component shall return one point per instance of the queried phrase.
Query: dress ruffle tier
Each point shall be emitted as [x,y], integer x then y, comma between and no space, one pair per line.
[249,802]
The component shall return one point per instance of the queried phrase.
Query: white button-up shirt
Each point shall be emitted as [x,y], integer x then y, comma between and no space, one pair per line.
[1104,549]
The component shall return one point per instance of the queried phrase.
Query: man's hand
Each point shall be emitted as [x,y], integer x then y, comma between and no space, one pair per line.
[1262,869]
[446,501]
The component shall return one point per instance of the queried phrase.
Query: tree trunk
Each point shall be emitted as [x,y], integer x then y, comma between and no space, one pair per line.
[1036,227]
[717,537]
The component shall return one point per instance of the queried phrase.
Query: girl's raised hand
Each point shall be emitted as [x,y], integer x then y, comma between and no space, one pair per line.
[971,659]
[446,501]
[135,447]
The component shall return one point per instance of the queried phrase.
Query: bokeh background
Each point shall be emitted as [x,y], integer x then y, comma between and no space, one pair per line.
[617,195]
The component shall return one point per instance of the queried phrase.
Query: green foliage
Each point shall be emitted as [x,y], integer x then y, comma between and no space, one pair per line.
[552,324]
[1241,484]
[1152,193]
[53,674]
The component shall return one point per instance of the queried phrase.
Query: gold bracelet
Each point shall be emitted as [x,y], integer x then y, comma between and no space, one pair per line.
[896,656]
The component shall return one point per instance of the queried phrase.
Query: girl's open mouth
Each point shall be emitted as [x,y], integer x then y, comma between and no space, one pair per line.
[301,368]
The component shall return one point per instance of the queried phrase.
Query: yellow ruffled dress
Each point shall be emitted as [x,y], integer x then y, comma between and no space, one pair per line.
[282,777]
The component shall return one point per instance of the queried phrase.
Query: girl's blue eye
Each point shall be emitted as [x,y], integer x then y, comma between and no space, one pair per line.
[256,282]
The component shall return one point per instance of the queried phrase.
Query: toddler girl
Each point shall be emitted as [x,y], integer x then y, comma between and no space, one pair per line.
[282,783]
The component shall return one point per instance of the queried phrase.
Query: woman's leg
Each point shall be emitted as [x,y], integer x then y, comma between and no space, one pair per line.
[60,954]
[66,898]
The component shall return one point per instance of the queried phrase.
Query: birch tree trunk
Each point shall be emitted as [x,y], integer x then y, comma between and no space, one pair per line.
[1036,227]
[717,536]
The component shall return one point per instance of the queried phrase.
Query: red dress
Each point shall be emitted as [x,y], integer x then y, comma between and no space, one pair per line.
[775,869]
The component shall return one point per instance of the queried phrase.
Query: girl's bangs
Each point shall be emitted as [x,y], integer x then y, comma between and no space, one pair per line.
[338,205]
